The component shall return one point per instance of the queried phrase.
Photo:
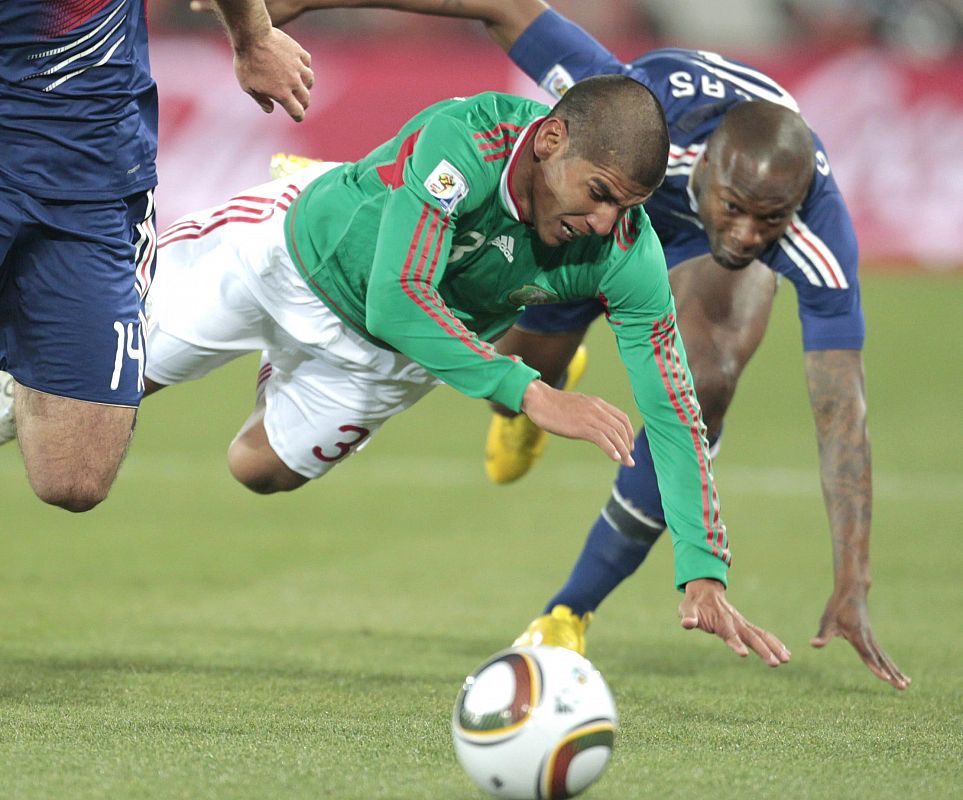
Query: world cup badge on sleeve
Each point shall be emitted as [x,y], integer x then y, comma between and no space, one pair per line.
[447,185]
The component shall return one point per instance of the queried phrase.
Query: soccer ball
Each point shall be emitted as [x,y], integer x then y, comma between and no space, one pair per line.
[534,723]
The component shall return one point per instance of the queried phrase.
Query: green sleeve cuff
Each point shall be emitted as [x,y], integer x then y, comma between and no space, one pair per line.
[692,563]
[511,388]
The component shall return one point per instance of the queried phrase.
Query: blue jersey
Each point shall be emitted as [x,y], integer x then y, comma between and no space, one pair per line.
[79,107]
[818,252]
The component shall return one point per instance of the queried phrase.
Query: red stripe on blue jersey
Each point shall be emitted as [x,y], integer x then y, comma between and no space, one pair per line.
[63,16]
[815,247]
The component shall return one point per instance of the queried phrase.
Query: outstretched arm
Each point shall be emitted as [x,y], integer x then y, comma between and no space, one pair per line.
[504,19]
[837,396]
[269,65]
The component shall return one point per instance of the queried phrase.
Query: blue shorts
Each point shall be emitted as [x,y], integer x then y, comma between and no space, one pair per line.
[73,278]
[560,317]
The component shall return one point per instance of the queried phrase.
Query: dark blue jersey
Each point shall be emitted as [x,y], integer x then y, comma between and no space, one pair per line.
[78,107]
[818,252]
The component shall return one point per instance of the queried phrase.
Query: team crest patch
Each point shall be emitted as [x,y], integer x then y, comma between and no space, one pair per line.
[447,185]
[529,295]
[557,82]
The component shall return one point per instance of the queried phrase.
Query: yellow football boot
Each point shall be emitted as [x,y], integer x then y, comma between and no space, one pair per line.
[559,628]
[284,164]
[514,444]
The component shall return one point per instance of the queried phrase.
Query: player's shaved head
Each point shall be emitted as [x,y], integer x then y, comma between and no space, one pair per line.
[766,142]
[615,121]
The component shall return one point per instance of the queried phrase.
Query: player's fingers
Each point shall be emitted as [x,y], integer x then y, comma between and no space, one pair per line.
[736,644]
[871,656]
[688,617]
[620,451]
[899,676]
[307,76]
[306,60]
[265,102]
[618,431]
[884,668]
[293,106]
[823,635]
[773,642]
[303,96]
[752,637]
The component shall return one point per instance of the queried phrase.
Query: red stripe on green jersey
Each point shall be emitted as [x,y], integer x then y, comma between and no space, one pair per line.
[679,388]
[418,286]
[393,174]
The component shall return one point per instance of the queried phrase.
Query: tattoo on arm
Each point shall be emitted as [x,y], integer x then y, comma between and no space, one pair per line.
[838,399]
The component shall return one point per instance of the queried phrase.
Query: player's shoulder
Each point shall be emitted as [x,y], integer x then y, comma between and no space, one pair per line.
[483,115]
[689,79]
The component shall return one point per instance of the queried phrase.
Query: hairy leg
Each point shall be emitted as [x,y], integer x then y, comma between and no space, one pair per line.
[72,449]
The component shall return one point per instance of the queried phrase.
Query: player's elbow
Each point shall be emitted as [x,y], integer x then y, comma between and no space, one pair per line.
[378,325]
[382,323]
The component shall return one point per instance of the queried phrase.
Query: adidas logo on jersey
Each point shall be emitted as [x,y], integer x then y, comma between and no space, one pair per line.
[507,245]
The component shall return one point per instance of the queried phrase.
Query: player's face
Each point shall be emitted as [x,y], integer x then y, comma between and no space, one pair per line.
[745,209]
[572,197]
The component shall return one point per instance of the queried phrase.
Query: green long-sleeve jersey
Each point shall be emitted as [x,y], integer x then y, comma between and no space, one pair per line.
[419,247]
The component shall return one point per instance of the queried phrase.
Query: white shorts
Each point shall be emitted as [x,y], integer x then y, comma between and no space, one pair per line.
[226,286]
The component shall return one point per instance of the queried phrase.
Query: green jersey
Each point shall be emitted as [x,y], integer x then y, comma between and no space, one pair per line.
[419,247]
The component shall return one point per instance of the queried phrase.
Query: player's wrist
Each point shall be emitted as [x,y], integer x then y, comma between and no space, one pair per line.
[248,27]
[534,393]
[852,577]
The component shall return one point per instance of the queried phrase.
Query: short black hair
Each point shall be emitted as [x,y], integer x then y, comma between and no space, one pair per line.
[772,136]
[616,121]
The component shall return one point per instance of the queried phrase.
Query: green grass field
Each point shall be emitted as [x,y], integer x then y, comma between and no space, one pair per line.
[190,640]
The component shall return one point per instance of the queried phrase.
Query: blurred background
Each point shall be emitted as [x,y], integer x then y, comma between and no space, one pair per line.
[881,81]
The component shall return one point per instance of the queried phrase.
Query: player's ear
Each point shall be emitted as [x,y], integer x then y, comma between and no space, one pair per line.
[550,138]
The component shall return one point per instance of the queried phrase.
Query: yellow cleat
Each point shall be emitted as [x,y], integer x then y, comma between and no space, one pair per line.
[284,164]
[514,444]
[560,628]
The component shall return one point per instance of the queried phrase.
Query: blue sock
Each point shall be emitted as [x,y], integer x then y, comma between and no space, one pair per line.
[629,524]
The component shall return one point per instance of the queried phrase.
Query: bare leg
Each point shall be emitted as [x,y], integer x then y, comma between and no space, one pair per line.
[254,463]
[722,315]
[72,449]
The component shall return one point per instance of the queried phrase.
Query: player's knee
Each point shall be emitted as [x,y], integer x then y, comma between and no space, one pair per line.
[715,388]
[260,477]
[77,496]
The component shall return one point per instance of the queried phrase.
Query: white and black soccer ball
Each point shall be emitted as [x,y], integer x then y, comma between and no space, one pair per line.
[534,723]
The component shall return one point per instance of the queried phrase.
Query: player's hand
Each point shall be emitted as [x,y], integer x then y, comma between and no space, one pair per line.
[276,68]
[581,416]
[281,11]
[848,617]
[705,607]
